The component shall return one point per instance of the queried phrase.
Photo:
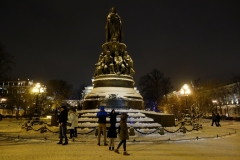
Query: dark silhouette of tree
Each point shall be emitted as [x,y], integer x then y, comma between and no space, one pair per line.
[59,90]
[6,62]
[173,104]
[77,93]
[17,99]
[153,86]
[200,101]
[206,92]
[236,80]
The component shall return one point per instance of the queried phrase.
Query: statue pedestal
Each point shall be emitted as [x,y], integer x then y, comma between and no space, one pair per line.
[113,91]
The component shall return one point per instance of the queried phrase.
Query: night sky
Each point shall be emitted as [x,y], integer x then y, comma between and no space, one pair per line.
[62,39]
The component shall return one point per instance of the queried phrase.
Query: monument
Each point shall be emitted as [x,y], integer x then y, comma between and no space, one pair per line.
[113,84]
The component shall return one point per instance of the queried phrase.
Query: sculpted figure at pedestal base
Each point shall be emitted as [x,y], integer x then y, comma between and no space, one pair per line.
[107,63]
[98,65]
[111,61]
[119,66]
[128,62]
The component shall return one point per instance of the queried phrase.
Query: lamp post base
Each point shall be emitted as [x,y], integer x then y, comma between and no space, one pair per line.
[187,117]
[35,118]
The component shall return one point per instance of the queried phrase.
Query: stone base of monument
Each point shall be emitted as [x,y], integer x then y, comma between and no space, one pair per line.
[136,119]
[113,91]
[166,120]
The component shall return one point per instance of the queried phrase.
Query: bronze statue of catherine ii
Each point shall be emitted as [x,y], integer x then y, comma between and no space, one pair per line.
[113,26]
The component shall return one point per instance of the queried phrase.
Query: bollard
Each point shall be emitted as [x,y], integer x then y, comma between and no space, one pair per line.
[183,129]
[42,130]
[24,125]
[28,126]
[161,131]
[131,132]
[40,122]
[196,126]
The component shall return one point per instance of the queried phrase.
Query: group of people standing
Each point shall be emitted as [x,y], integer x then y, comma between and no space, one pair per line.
[67,117]
[112,131]
[71,117]
[216,119]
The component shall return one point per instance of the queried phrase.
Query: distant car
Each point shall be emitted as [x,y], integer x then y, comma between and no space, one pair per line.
[48,117]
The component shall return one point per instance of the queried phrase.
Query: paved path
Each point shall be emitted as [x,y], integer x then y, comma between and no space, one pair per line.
[145,148]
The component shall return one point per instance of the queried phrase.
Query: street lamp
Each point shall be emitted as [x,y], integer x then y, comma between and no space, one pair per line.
[38,89]
[3,103]
[215,104]
[3,100]
[185,91]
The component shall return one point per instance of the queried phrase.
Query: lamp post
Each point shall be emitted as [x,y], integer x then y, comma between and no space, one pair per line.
[38,89]
[3,106]
[2,100]
[215,104]
[185,91]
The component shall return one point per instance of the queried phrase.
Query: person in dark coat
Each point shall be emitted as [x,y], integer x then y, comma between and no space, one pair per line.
[123,136]
[102,115]
[63,117]
[113,116]
[218,118]
[112,134]
[213,119]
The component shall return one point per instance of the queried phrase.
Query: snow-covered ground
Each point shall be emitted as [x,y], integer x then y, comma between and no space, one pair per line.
[210,142]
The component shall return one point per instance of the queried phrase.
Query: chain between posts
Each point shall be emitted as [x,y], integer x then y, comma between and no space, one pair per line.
[173,131]
[89,131]
[29,127]
[196,126]
[144,132]
[156,141]
[44,128]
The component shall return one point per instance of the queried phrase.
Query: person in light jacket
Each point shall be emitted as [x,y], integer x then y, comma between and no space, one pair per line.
[75,123]
[71,119]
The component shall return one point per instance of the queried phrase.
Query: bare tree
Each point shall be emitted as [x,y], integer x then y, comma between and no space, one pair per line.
[153,86]
[77,93]
[16,99]
[59,90]
[206,92]
[6,62]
